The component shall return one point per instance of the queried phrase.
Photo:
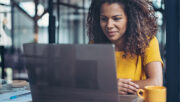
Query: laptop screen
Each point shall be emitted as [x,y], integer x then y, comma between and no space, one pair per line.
[70,70]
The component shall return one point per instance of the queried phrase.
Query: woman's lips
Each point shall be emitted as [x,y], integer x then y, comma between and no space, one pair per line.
[112,33]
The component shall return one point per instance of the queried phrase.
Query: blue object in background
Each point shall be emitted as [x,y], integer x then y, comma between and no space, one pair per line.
[16,96]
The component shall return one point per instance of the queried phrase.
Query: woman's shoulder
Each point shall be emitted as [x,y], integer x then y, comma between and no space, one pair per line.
[154,42]
[153,45]
[152,52]
[154,39]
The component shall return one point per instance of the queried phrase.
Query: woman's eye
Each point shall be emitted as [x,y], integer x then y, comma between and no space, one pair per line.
[117,19]
[103,19]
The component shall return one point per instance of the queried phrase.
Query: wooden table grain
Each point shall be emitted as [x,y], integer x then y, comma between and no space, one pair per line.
[130,98]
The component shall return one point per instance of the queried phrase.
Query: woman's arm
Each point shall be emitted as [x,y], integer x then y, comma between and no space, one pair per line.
[154,75]
[153,71]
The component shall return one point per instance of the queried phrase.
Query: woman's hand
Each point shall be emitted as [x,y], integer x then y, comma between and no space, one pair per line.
[126,86]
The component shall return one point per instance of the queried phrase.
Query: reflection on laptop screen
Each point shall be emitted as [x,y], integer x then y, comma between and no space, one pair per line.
[71,73]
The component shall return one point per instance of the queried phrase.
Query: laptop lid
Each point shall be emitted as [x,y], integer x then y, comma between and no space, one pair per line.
[71,73]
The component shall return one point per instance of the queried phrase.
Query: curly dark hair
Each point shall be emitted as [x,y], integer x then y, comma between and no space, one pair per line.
[141,25]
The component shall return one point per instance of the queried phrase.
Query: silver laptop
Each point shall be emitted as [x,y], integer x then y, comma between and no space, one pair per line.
[71,73]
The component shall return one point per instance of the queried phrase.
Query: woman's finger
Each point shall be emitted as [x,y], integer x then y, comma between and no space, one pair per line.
[130,91]
[128,81]
[127,89]
[124,80]
[133,84]
[122,92]
[127,86]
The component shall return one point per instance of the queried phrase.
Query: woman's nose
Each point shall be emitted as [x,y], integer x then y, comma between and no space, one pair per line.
[109,24]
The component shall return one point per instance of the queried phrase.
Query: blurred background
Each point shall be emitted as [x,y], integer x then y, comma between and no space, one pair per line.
[26,21]
[61,22]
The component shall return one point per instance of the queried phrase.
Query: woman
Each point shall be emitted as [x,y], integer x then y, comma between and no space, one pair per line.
[131,26]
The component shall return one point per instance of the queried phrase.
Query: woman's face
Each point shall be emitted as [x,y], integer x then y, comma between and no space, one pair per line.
[113,21]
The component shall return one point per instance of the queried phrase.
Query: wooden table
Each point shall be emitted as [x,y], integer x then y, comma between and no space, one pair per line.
[130,98]
[122,98]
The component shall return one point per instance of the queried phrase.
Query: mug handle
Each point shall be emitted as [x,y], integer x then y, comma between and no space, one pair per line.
[140,91]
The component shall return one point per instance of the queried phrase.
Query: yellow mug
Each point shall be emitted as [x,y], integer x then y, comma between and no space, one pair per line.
[153,93]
